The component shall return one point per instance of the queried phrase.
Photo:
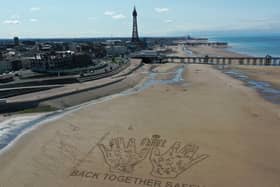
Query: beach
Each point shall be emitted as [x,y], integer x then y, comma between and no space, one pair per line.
[270,74]
[231,133]
[140,94]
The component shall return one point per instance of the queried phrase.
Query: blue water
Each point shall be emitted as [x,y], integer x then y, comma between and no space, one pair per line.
[252,45]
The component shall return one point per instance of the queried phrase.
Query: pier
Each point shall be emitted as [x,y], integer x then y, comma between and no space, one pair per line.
[154,57]
[260,61]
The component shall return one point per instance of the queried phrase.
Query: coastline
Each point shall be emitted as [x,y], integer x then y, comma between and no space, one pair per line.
[270,74]
[262,79]
[132,79]
[224,117]
[130,85]
[265,80]
[256,45]
[173,112]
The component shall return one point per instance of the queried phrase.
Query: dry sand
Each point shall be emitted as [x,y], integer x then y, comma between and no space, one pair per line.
[237,133]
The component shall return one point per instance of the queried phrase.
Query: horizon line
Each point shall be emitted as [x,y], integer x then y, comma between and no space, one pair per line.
[97,37]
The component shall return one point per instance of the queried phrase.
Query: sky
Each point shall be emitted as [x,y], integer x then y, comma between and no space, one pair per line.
[113,18]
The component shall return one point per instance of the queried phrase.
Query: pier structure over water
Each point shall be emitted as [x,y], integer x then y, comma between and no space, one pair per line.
[266,61]
[211,60]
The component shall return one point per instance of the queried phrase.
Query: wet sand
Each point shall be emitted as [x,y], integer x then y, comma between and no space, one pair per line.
[270,74]
[233,135]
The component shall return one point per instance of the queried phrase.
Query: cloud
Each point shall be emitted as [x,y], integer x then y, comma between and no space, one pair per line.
[33,20]
[12,22]
[118,16]
[168,21]
[109,13]
[35,9]
[161,10]
[114,15]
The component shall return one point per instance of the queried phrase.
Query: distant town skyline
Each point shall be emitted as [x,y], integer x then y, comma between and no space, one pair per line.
[108,18]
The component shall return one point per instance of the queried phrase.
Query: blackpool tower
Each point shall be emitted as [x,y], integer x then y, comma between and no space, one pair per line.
[135,36]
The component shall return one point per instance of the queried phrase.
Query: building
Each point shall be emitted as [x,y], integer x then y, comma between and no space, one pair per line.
[135,35]
[136,44]
[115,48]
[149,56]
[46,63]
[16,41]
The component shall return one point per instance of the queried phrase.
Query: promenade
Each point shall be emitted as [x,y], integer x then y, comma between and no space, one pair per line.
[61,91]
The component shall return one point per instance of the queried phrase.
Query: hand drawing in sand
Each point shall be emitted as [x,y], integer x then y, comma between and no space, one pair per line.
[175,161]
[121,157]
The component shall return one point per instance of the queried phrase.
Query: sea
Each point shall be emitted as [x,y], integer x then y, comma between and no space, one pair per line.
[257,45]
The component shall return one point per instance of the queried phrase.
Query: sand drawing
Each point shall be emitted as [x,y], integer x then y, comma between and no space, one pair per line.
[175,161]
[122,157]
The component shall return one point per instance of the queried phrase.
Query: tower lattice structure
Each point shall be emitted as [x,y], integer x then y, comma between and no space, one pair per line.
[135,35]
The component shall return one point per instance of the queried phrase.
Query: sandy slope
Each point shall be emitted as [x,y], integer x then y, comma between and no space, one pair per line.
[237,133]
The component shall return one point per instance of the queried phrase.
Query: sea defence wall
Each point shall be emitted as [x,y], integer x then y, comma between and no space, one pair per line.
[14,107]
[41,82]
[10,92]
[76,97]
[24,87]
[91,94]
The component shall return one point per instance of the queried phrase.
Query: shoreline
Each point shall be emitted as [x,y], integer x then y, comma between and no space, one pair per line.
[265,80]
[141,83]
[266,89]
[252,45]
[209,108]
[219,114]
